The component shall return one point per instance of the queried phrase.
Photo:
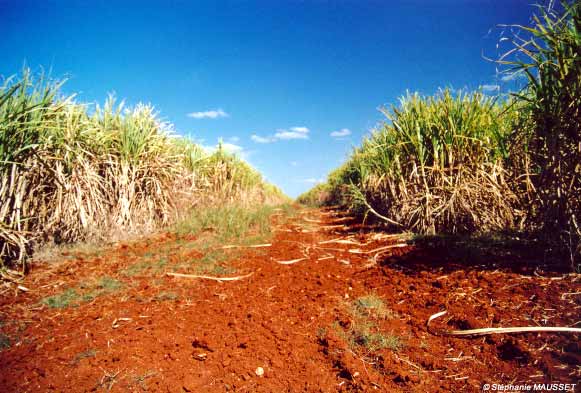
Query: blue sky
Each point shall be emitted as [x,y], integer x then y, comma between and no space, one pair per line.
[291,85]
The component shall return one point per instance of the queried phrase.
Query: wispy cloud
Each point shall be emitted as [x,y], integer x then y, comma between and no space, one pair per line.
[341,133]
[313,180]
[490,88]
[292,133]
[283,135]
[261,139]
[234,139]
[512,76]
[211,114]
[232,148]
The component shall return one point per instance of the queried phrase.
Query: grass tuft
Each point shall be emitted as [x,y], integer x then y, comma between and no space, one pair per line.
[63,300]
[372,306]
[362,332]
[228,223]
[86,292]
[143,268]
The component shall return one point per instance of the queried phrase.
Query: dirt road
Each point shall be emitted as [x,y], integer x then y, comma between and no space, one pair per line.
[328,307]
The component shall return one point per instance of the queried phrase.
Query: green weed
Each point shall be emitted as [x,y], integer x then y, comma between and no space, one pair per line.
[63,300]
[142,268]
[363,332]
[86,292]
[228,223]
[373,306]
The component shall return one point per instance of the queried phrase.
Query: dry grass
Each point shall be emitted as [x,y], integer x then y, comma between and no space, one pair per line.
[436,165]
[70,173]
[547,53]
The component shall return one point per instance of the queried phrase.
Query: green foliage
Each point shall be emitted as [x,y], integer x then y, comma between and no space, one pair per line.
[63,300]
[86,292]
[435,165]
[73,171]
[377,341]
[372,306]
[465,162]
[142,268]
[26,108]
[315,197]
[228,223]
[362,331]
[549,54]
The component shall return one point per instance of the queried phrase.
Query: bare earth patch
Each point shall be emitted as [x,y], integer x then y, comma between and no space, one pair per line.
[328,306]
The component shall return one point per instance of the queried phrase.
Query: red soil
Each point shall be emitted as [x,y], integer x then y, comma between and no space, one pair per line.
[160,333]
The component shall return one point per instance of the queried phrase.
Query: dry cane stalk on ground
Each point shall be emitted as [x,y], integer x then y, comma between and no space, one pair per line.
[486,331]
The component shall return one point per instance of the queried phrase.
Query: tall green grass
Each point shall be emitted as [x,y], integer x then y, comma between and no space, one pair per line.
[549,53]
[466,162]
[435,165]
[69,171]
[315,197]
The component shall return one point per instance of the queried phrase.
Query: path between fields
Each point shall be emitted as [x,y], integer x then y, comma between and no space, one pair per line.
[290,326]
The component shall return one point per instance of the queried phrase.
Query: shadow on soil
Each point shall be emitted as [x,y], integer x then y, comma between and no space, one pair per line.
[447,253]
[508,253]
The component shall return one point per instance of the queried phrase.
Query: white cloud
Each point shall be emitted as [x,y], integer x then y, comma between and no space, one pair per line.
[302,130]
[286,134]
[234,139]
[261,139]
[490,88]
[283,135]
[211,114]
[312,180]
[232,148]
[512,76]
[341,133]
[294,163]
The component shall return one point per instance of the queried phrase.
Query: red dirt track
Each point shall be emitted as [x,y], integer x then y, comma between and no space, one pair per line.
[168,334]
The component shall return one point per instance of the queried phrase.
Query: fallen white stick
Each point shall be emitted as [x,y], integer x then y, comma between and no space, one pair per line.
[115,323]
[325,258]
[235,278]
[313,221]
[564,296]
[342,219]
[333,226]
[381,236]
[290,262]
[251,246]
[487,331]
[339,241]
